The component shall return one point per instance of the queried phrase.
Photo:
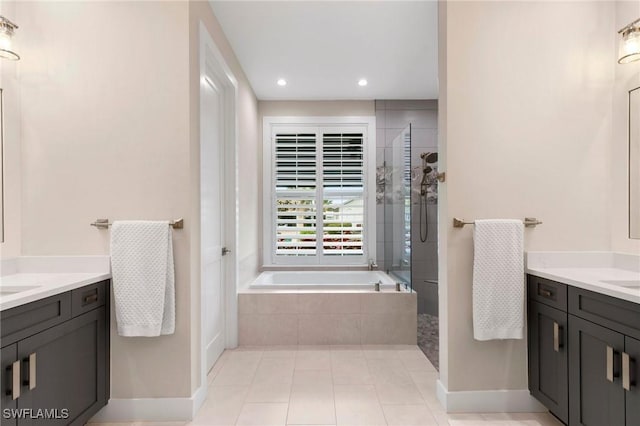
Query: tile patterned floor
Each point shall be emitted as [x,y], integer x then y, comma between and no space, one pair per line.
[331,385]
[428,338]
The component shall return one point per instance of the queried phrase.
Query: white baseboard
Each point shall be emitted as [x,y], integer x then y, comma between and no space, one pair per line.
[152,409]
[494,401]
[198,398]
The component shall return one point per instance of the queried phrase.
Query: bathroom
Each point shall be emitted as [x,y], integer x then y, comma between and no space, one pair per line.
[524,103]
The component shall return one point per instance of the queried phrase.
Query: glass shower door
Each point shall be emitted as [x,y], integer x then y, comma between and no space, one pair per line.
[397,208]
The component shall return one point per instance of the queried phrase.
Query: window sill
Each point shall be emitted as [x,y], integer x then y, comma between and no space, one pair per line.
[314,267]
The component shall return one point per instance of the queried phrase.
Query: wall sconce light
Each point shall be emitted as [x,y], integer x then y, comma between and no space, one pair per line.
[6,32]
[629,50]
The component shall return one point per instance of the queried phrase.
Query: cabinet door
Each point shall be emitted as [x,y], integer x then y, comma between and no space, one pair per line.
[632,395]
[69,369]
[9,355]
[596,397]
[548,373]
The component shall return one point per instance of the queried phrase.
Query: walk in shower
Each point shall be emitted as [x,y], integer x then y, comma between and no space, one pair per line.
[407,178]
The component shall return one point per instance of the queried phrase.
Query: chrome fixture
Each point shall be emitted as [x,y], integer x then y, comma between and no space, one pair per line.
[429,177]
[376,286]
[529,222]
[397,286]
[105,224]
[372,265]
[629,50]
[7,29]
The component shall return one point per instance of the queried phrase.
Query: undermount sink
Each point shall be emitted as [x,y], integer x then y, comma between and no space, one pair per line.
[7,290]
[624,283]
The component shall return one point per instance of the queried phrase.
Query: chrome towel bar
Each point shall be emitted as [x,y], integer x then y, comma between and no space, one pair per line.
[104,223]
[529,222]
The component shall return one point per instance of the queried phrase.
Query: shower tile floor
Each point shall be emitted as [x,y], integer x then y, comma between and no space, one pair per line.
[428,338]
[331,385]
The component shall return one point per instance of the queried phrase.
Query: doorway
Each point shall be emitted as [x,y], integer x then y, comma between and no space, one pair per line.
[218,199]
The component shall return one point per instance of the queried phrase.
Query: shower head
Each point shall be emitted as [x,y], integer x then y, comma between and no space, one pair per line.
[430,157]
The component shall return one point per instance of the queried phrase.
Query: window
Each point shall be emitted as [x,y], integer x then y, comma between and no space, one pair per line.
[316,187]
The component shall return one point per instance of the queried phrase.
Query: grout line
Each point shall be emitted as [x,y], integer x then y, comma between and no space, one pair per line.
[244,400]
[333,391]
[295,362]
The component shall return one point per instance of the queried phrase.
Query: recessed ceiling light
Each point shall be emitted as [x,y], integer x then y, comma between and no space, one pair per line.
[282,82]
[362,82]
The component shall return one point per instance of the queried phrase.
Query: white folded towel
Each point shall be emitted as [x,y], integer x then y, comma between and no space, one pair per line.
[143,277]
[498,279]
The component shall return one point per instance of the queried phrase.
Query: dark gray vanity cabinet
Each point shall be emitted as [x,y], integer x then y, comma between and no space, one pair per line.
[632,396]
[548,358]
[7,371]
[591,343]
[596,396]
[63,365]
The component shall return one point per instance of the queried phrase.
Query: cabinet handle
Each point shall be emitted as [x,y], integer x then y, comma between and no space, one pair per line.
[545,293]
[14,391]
[90,299]
[556,336]
[626,371]
[31,380]
[610,364]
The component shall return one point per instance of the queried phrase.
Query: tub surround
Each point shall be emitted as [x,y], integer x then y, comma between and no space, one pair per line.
[325,317]
[45,276]
[608,273]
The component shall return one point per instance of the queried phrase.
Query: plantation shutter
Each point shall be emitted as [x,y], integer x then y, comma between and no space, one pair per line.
[295,194]
[343,194]
[318,203]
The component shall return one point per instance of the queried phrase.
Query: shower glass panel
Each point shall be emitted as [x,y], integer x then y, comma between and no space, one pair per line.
[397,207]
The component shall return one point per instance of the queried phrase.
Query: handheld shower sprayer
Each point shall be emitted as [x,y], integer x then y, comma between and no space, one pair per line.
[427,179]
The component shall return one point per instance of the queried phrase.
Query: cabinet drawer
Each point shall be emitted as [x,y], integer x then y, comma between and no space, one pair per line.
[549,292]
[616,314]
[23,321]
[89,297]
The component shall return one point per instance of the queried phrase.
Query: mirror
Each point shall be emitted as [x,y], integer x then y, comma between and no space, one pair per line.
[1,168]
[634,163]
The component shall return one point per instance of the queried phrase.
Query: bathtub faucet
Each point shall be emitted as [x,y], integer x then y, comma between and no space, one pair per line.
[372,265]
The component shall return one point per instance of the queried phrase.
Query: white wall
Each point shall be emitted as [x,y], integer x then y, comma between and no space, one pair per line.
[105,124]
[627,76]
[248,151]
[12,165]
[526,124]
[248,131]
[110,123]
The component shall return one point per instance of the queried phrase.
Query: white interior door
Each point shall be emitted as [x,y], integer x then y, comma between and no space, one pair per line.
[212,184]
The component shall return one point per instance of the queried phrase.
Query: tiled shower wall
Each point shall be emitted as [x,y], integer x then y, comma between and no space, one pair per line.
[392,116]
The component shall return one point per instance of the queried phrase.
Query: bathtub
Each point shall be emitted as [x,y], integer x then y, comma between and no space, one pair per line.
[324,280]
[326,308]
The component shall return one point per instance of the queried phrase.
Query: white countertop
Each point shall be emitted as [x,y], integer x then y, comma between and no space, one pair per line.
[28,279]
[589,271]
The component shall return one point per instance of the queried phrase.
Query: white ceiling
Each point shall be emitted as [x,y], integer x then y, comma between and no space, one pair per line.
[322,48]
